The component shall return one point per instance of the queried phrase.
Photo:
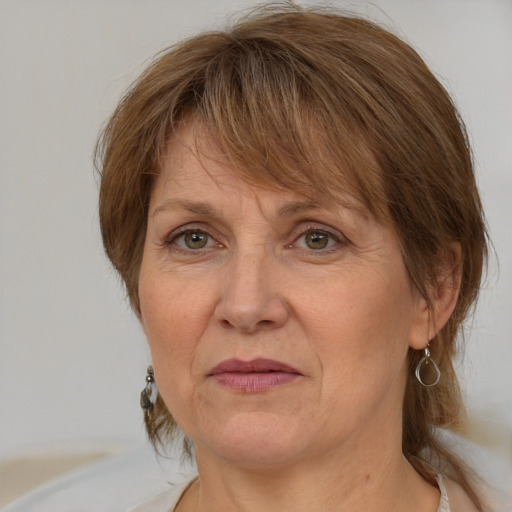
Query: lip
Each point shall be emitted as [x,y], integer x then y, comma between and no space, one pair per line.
[253,376]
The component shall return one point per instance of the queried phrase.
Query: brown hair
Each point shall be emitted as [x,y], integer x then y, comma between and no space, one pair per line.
[321,103]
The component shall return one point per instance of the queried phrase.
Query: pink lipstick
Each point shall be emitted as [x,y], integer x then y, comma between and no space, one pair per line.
[253,376]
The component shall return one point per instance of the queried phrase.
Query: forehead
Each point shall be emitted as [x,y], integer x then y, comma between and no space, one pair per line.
[205,184]
[193,157]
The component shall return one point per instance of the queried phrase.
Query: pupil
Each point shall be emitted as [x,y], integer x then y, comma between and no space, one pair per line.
[195,240]
[316,240]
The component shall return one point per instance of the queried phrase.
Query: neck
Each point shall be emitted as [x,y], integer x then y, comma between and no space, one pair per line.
[358,477]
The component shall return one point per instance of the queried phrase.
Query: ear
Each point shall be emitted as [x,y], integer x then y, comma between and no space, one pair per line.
[430,319]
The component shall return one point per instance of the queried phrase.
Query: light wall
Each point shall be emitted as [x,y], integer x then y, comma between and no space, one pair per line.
[72,357]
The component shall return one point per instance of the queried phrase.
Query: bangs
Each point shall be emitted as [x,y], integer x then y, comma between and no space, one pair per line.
[280,122]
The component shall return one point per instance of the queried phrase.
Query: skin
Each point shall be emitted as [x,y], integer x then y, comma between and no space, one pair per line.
[342,312]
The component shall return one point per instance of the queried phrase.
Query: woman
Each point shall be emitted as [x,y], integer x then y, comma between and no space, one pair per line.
[292,207]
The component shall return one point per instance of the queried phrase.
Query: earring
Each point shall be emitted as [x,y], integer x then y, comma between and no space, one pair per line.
[149,393]
[427,372]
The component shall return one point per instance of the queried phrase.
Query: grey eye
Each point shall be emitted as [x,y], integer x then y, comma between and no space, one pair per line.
[193,240]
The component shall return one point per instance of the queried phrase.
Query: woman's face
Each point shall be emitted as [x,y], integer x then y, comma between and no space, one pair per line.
[278,326]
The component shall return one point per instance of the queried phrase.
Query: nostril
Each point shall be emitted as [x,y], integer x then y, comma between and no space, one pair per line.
[226,323]
[246,328]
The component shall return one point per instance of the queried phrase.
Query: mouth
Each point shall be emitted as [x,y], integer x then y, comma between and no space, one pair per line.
[253,376]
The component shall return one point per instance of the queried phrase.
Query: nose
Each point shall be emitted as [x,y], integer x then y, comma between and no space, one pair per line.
[251,300]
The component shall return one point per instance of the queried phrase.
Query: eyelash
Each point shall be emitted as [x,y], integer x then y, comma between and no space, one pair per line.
[171,241]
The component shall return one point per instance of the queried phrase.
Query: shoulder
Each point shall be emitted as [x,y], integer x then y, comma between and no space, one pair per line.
[164,501]
[459,500]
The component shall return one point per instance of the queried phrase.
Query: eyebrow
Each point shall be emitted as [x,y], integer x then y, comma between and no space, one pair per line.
[199,207]
[294,207]
[206,209]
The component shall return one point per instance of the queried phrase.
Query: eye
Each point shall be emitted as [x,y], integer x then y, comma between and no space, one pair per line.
[316,239]
[192,239]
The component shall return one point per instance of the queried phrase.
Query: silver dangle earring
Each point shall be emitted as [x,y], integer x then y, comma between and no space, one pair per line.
[427,372]
[149,393]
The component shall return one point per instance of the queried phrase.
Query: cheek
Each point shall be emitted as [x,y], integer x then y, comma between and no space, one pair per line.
[172,311]
[363,327]
[173,327]
[362,347]
[176,312]
[370,311]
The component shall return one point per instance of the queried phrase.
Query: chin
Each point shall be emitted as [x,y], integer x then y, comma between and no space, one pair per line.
[254,440]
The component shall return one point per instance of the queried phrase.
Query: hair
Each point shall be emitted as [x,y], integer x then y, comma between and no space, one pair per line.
[328,104]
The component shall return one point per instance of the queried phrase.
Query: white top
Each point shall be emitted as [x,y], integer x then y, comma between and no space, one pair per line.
[163,502]
[166,501]
[444,503]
